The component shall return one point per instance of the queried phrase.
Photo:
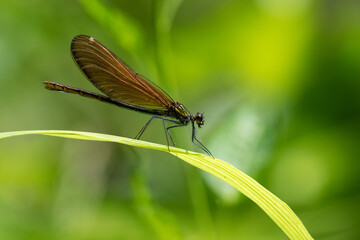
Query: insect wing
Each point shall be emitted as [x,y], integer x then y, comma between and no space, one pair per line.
[115,78]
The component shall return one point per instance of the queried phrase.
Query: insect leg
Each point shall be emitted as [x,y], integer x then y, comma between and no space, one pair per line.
[166,129]
[198,143]
[166,134]
[144,128]
[179,125]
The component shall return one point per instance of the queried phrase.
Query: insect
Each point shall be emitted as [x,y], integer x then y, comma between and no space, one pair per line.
[126,88]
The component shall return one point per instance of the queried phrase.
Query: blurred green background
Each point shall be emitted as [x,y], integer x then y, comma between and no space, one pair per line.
[279,83]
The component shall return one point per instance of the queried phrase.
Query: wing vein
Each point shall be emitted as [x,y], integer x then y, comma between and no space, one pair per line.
[114,77]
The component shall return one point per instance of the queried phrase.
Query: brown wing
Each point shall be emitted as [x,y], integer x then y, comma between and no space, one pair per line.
[115,78]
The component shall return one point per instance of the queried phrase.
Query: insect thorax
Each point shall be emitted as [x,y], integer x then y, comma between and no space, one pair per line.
[178,111]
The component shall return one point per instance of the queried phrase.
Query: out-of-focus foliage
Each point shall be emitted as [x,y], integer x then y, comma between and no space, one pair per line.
[279,83]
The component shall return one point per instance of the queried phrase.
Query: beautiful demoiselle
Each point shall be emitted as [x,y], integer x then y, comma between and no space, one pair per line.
[126,88]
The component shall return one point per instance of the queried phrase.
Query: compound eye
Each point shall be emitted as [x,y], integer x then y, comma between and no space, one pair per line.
[199,118]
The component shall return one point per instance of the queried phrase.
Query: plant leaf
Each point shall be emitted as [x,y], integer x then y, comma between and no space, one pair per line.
[277,210]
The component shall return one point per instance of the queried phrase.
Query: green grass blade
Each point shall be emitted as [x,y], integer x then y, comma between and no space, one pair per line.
[277,210]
